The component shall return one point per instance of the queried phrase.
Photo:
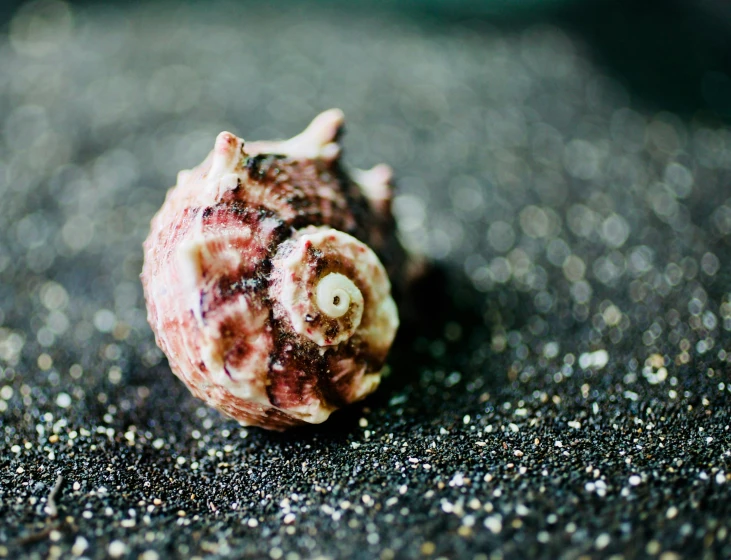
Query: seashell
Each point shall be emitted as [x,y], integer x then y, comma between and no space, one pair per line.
[266,277]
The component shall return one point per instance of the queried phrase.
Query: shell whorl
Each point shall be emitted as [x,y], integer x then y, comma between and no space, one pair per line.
[335,294]
[328,285]
[263,279]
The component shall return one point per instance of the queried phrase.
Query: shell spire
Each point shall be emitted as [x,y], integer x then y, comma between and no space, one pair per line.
[267,277]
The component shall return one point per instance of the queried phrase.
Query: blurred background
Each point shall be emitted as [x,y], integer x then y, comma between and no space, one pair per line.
[498,116]
[565,163]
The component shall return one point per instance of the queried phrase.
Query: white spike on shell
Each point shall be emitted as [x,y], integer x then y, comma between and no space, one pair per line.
[264,280]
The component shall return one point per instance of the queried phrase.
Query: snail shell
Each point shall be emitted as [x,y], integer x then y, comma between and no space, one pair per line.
[264,277]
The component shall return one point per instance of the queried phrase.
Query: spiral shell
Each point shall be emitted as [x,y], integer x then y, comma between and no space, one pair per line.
[265,281]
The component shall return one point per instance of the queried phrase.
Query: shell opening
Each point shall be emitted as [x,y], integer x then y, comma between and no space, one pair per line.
[335,293]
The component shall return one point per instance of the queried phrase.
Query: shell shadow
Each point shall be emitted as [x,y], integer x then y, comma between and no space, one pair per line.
[443,320]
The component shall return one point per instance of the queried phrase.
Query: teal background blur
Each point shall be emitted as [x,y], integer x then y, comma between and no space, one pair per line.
[674,55]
